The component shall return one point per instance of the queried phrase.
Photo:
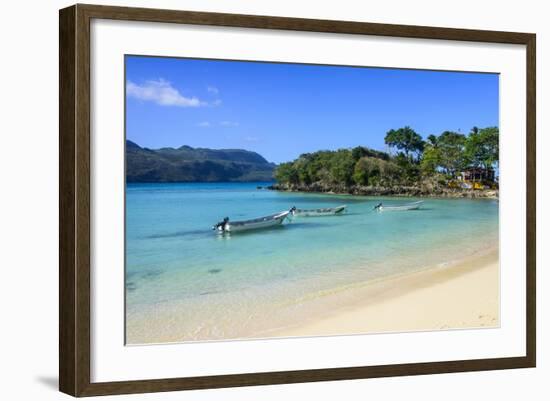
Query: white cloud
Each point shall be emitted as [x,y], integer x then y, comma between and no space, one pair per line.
[229,124]
[204,124]
[251,138]
[162,93]
[213,89]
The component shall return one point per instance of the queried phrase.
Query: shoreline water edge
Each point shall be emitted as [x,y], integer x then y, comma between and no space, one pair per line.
[398,191]
[360,272]
[463,294]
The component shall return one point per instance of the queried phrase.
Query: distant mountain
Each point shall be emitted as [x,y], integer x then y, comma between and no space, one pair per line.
[187,164]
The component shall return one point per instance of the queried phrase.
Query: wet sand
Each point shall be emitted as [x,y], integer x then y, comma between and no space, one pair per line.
[465,295]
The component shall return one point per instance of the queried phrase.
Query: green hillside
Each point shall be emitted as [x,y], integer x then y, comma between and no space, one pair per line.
[187,164]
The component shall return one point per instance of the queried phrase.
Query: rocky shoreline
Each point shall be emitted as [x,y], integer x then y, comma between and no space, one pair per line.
[425,191]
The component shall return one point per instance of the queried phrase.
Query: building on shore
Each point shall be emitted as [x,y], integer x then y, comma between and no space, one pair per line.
[478,174]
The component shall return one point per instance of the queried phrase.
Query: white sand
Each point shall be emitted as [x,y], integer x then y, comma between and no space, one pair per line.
[465,295]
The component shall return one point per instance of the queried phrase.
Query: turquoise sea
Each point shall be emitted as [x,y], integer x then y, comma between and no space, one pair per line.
[187,282]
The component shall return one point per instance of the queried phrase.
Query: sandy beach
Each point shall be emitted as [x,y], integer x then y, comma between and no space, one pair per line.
[464,295]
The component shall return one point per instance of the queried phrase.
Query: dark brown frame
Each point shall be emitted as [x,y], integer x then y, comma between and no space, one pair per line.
[74,199]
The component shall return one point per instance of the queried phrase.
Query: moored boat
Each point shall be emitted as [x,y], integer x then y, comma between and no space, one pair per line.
[394,208]
[328,211]
[272,220]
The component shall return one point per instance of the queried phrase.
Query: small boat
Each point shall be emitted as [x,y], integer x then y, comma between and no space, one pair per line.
[254,224]
[327,211]
[394,208]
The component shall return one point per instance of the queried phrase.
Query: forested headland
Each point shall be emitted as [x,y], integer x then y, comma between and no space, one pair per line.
[448,164]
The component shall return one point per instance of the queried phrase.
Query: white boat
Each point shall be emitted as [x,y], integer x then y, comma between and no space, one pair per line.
[229,226]
[327,211]
[394,208]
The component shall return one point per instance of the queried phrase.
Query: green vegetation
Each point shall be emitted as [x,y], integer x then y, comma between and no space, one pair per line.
[481,148]
[187,164]
[405,140]
[412,161]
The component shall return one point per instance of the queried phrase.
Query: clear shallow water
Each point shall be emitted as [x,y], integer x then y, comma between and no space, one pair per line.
[196,284]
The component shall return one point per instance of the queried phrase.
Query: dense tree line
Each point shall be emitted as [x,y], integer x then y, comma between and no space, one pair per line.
[410,161]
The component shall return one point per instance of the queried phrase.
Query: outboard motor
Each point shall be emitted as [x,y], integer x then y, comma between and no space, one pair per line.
[378,206]
[292,210]
[221,225]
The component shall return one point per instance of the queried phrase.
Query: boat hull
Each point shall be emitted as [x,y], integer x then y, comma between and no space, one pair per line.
[411,206]
[319,212]
[256,224]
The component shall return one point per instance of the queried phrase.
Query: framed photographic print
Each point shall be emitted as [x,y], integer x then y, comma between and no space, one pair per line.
[250,200]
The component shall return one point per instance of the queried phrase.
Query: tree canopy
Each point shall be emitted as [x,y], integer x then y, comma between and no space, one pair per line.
[406,140]
[482,147]
[443,155]
[451,149]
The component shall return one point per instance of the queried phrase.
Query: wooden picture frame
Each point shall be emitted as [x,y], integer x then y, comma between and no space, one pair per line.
[74,200]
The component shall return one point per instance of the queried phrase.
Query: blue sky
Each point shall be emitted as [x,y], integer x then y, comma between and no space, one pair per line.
[284,110]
